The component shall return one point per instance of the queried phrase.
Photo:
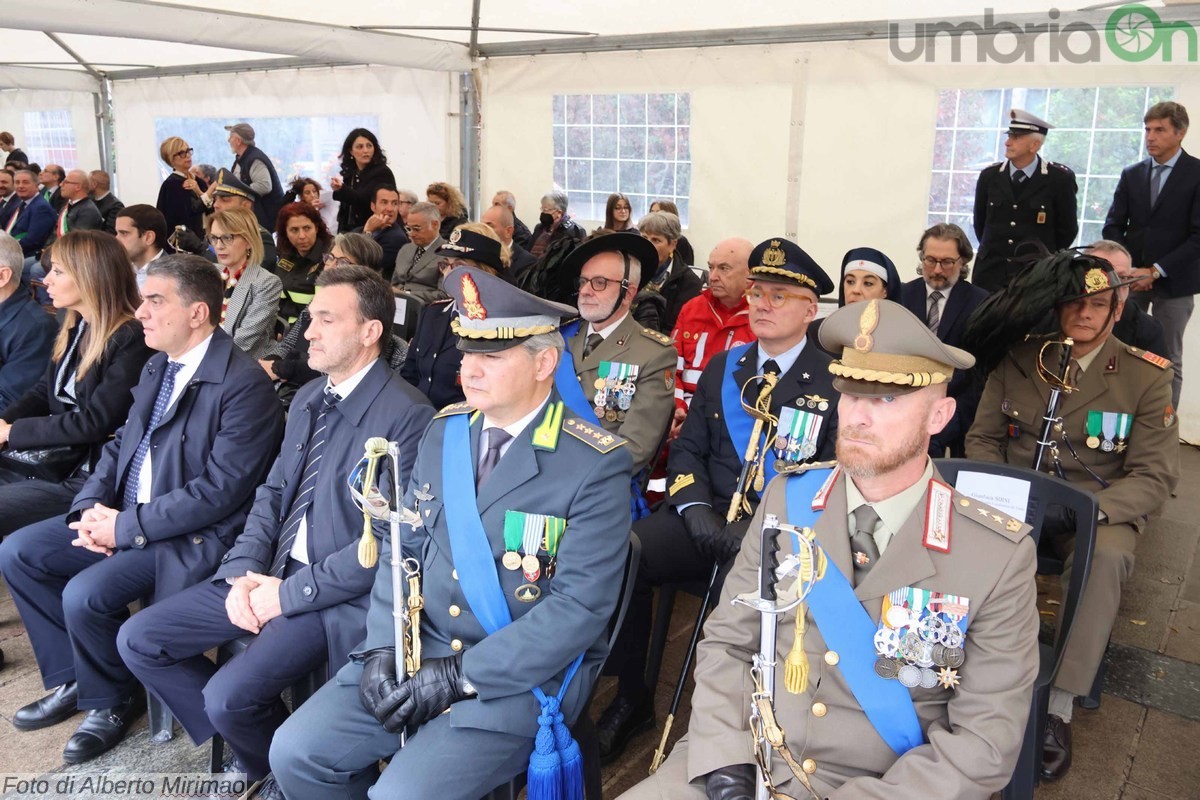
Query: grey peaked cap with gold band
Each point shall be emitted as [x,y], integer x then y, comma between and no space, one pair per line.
[494,315]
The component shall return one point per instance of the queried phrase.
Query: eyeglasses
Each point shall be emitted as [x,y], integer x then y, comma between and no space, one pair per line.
[224,239]
[775,298]
[621,208]
[598,284]
[330,260]
[187,152]
[945,263]
[447,264]
[415,228]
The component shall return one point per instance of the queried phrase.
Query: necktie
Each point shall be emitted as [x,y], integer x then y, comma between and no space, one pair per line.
[161,403]
[304,493]
[420,251]
[497,438]
[935,312]
[593,341]
[1156,182]
[1018,178]
[16,214]
[862,541]
[769,366]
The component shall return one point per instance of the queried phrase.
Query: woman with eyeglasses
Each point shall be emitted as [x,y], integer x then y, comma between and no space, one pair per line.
[180,198]
[450,204]
[303,240]
[251,293]
[364,167]
[433,360]
[618,214]
[84,394]
[671,283]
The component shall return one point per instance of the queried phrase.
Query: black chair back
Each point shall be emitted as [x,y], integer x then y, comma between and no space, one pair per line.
[404,324]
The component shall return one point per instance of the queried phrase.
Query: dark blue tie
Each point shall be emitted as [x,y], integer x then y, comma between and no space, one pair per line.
[304,494]
[161,403]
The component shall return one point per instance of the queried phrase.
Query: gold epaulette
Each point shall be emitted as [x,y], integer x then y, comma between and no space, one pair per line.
[991,518]
[1147,356]
[596,438]
[454,408]
[661,338]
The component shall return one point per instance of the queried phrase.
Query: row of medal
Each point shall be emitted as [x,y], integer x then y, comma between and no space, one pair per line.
[920,630]
[1112,426]
[798,431]
[528,534]
[614,390]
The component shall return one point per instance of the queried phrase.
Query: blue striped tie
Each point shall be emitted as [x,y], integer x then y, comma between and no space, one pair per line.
[303,498]
[161,404]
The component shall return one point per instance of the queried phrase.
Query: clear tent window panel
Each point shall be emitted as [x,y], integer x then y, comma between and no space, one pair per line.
[50,139]
[1097,133]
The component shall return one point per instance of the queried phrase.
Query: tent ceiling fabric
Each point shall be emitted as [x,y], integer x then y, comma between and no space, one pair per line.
[142,36]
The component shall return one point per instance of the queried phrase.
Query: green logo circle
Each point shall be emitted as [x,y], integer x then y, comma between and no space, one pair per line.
[1132,32]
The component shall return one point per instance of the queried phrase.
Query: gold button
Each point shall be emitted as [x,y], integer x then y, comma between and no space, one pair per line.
[819,709]
[456,645]
[809,766]
[454,574]
[832,658]
[455,611]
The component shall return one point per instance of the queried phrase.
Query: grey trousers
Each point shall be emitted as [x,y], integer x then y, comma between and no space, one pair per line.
[330,747]
[1173,313]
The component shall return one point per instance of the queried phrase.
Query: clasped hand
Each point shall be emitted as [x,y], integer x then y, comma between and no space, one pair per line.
[253,601]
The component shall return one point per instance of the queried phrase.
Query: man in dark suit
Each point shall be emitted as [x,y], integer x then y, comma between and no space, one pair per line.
[164,502]
[8,197]
[1022,198]
[1155,213]
[78,211]
[495,631]
[1135,326]
[26,331]
[500,219]
[33,219]
[293,579]
[105,200]
[521,233]
[385,226]
[944,299]
[51,178]
[689,532]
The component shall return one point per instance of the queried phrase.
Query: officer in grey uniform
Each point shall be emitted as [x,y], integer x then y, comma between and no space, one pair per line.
[520,568]
[1022,198]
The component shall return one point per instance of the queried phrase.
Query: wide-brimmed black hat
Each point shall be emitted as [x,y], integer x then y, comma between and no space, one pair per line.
[633,245]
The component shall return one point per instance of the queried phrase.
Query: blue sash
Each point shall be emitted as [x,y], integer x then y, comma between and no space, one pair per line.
[566,380]
[555,766]
[848,630]
[737,422]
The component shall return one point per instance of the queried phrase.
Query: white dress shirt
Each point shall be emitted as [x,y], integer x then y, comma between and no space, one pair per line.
[191,362]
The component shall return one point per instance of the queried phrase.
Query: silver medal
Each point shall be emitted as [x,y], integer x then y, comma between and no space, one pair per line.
[910,676]
[887,642]
[954,636]
[887,668]
[929,679]
[924,655]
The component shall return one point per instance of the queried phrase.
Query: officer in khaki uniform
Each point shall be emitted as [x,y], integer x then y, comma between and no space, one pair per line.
[1118,438]
[908,553]
[626,373]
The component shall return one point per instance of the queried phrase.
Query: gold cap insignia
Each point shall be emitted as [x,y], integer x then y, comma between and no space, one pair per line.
[472,306]
[866,326]
[1096,280]
[774,255]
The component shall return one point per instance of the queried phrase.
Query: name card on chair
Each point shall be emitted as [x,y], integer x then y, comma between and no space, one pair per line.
[401,311]
[1010,495]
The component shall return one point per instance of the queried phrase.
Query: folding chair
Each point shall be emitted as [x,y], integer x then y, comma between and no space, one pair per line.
[1044,490]
[408,308]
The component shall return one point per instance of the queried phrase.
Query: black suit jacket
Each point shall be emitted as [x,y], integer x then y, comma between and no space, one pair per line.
[1167,234]
[109,207]
[521,260]
[1139,329]
[704,449]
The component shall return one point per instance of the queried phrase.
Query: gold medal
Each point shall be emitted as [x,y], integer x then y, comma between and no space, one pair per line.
[527,592]
[511,560]
[531,565]
[611,415]
[599,383]
[1093,442]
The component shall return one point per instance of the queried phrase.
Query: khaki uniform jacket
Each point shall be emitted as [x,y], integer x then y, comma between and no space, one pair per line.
[1008,424]
[973,732]
[654,398]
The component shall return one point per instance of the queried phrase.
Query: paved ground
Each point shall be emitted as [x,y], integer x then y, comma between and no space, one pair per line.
[1141,744]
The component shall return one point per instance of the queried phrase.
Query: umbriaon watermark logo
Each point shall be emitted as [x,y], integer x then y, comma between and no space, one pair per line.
[1133,33]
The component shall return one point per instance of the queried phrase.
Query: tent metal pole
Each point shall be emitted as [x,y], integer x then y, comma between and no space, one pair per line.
[104,129]
[468,141]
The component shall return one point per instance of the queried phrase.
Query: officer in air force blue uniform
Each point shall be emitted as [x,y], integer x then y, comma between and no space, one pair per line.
[518,529]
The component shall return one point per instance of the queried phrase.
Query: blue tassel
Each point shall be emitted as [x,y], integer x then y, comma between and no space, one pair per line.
[544,778]
[572,761]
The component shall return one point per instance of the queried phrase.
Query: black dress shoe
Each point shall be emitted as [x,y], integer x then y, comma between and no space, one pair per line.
[52,709]
[623,719]
[1056,748]
[103,729]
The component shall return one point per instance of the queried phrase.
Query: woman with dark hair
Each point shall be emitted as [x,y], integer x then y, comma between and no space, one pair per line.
[302,240]
[305,190]
[450,204]
[364,167]
[181,196]
[867,274]
[84,394]
[618,214]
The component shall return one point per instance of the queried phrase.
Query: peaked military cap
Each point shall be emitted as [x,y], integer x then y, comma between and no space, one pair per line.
[633,245]
[472,245]
[494,315]
[229,185]
[782,261]
[886,350]
[1022,122]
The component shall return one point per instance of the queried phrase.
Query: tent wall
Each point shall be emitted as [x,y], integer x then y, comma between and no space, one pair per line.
[830,144]
[15,103]
[415,107]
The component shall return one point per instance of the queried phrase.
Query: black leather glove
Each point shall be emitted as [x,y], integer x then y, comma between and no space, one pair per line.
[188,242]
[735,782]
[704,526]
[436,686]
[377,686]
[730,540]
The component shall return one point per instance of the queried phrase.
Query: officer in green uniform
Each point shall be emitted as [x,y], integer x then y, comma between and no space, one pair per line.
[1118,438]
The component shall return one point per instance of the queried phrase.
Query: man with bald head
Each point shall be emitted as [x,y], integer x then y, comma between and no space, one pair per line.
[521,233]
[79,212]
[501,220]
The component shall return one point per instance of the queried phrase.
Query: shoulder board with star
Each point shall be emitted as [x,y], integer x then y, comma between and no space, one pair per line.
[454,408]
[596,438]
[1152,358]
[661,338]
[991,518]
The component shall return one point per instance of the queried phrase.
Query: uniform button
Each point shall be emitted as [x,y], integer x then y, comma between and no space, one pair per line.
[299,447]
[307,591]
[1013,224]
[819,709]
[456,645]
[455,611]
[454,574]
[1010,241]
[197,540]
[140,541]
[809,766]
[1014,206]
[832,658]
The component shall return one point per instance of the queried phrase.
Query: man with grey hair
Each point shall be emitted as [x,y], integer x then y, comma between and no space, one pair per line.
[1135,326]
[416,270]
[26,331]
[1022,198]
[254,168]
[554,225]
[104,199]
[501,220]
[521,234]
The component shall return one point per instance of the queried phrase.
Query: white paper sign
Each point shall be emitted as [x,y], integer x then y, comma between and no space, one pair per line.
[401,310]
[1010,495]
